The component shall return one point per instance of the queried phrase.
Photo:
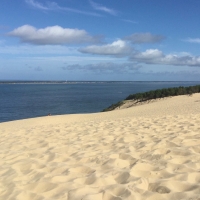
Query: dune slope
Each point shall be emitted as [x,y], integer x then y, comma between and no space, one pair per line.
[150,151]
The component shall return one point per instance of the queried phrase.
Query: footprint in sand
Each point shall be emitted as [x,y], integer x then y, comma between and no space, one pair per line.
[121,177]
[119,191]
[154,187]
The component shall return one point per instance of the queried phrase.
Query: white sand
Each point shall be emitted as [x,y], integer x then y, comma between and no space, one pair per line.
[150,151]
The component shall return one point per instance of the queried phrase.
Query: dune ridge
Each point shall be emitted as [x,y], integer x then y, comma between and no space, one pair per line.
[149,151]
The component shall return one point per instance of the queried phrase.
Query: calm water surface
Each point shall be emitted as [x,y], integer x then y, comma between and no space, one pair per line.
[20,101]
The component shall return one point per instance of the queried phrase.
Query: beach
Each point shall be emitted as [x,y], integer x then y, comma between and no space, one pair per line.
[149,151]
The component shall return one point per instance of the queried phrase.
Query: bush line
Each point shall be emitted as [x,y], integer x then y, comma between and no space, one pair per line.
[155,94]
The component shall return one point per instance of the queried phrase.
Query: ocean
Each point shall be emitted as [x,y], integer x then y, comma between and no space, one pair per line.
[21,100]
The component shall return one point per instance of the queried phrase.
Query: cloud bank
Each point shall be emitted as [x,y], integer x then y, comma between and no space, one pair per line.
[56,35]
[117,48]
[52,35]
[121,48]
[140,38]
[108,67]
[155,56]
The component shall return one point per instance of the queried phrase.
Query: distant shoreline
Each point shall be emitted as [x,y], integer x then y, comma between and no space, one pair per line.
[84,82]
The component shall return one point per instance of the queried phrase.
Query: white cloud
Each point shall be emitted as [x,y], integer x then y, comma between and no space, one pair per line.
[149,55]
[53,6]
[52,35]
[155,56]
[117,48]
[193,40]
[139,38]
[103,8]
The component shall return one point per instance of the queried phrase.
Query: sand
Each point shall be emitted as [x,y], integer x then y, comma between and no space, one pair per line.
[150,151]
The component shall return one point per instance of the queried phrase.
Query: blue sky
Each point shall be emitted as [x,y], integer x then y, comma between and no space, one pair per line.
[122,40]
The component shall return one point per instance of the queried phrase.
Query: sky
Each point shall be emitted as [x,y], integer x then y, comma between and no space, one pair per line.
[100,40]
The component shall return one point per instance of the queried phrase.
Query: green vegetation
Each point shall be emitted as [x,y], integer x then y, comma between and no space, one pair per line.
[166,92]
[155,94]
[113,106]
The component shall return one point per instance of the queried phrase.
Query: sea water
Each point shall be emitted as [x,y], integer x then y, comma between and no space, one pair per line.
[20,100]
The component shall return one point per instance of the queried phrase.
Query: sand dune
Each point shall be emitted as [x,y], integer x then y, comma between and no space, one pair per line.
[150,151]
